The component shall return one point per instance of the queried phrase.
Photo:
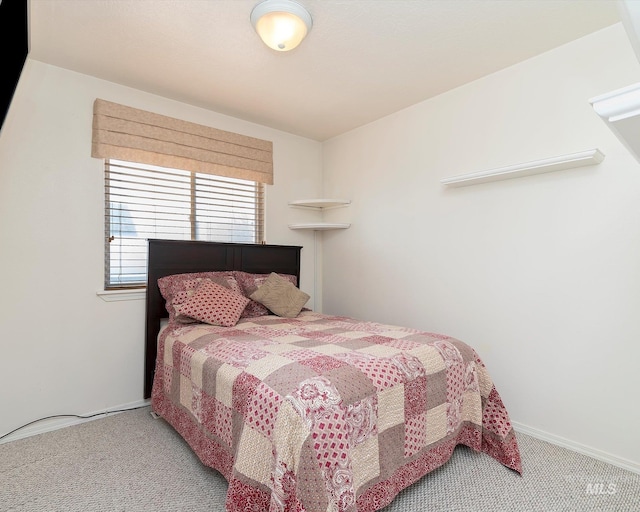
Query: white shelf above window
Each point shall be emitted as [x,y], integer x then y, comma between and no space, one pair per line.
[319,226]
[320,204]
[558,163]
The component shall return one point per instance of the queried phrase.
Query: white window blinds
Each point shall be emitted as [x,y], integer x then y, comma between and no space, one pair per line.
[147,201]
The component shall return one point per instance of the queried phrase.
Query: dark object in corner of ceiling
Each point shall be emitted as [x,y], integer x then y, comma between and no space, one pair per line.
[14,37]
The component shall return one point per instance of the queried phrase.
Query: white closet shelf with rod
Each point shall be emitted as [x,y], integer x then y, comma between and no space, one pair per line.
[620,110]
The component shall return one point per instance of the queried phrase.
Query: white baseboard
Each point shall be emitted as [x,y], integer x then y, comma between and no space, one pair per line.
[577,447]
[48,425]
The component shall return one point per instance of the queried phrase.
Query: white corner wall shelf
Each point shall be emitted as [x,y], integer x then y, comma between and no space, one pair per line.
[319,205]
[319,226]
[558,163]
[620,110]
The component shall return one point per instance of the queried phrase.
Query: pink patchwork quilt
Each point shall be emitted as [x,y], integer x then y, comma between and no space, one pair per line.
[322,413]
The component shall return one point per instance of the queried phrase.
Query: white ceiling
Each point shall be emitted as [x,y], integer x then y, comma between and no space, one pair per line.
[362,60]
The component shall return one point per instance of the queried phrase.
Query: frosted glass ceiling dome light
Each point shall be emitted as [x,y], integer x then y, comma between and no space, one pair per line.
[281,24]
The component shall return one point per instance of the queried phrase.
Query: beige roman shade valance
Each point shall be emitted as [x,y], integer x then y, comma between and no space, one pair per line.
[126,133]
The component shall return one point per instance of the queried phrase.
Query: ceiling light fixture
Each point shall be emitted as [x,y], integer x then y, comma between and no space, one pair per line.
[281,24]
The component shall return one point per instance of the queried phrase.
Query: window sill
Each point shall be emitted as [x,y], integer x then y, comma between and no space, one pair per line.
[118,295]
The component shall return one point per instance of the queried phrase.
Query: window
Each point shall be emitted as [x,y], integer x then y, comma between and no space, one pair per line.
[147,201]
[190,182]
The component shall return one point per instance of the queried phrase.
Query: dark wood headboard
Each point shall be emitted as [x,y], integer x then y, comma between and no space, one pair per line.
[168,257]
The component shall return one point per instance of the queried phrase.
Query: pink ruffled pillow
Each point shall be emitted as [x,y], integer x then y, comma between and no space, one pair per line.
[214,304]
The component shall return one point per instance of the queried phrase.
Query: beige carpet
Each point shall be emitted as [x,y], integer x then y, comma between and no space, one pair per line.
[131,462]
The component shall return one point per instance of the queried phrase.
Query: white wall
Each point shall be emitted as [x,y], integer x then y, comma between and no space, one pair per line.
[540,274]
[64,349]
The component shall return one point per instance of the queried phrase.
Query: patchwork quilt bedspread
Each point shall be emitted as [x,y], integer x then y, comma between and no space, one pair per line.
[322,413]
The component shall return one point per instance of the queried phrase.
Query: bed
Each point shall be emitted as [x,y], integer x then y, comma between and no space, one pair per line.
[302,411]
